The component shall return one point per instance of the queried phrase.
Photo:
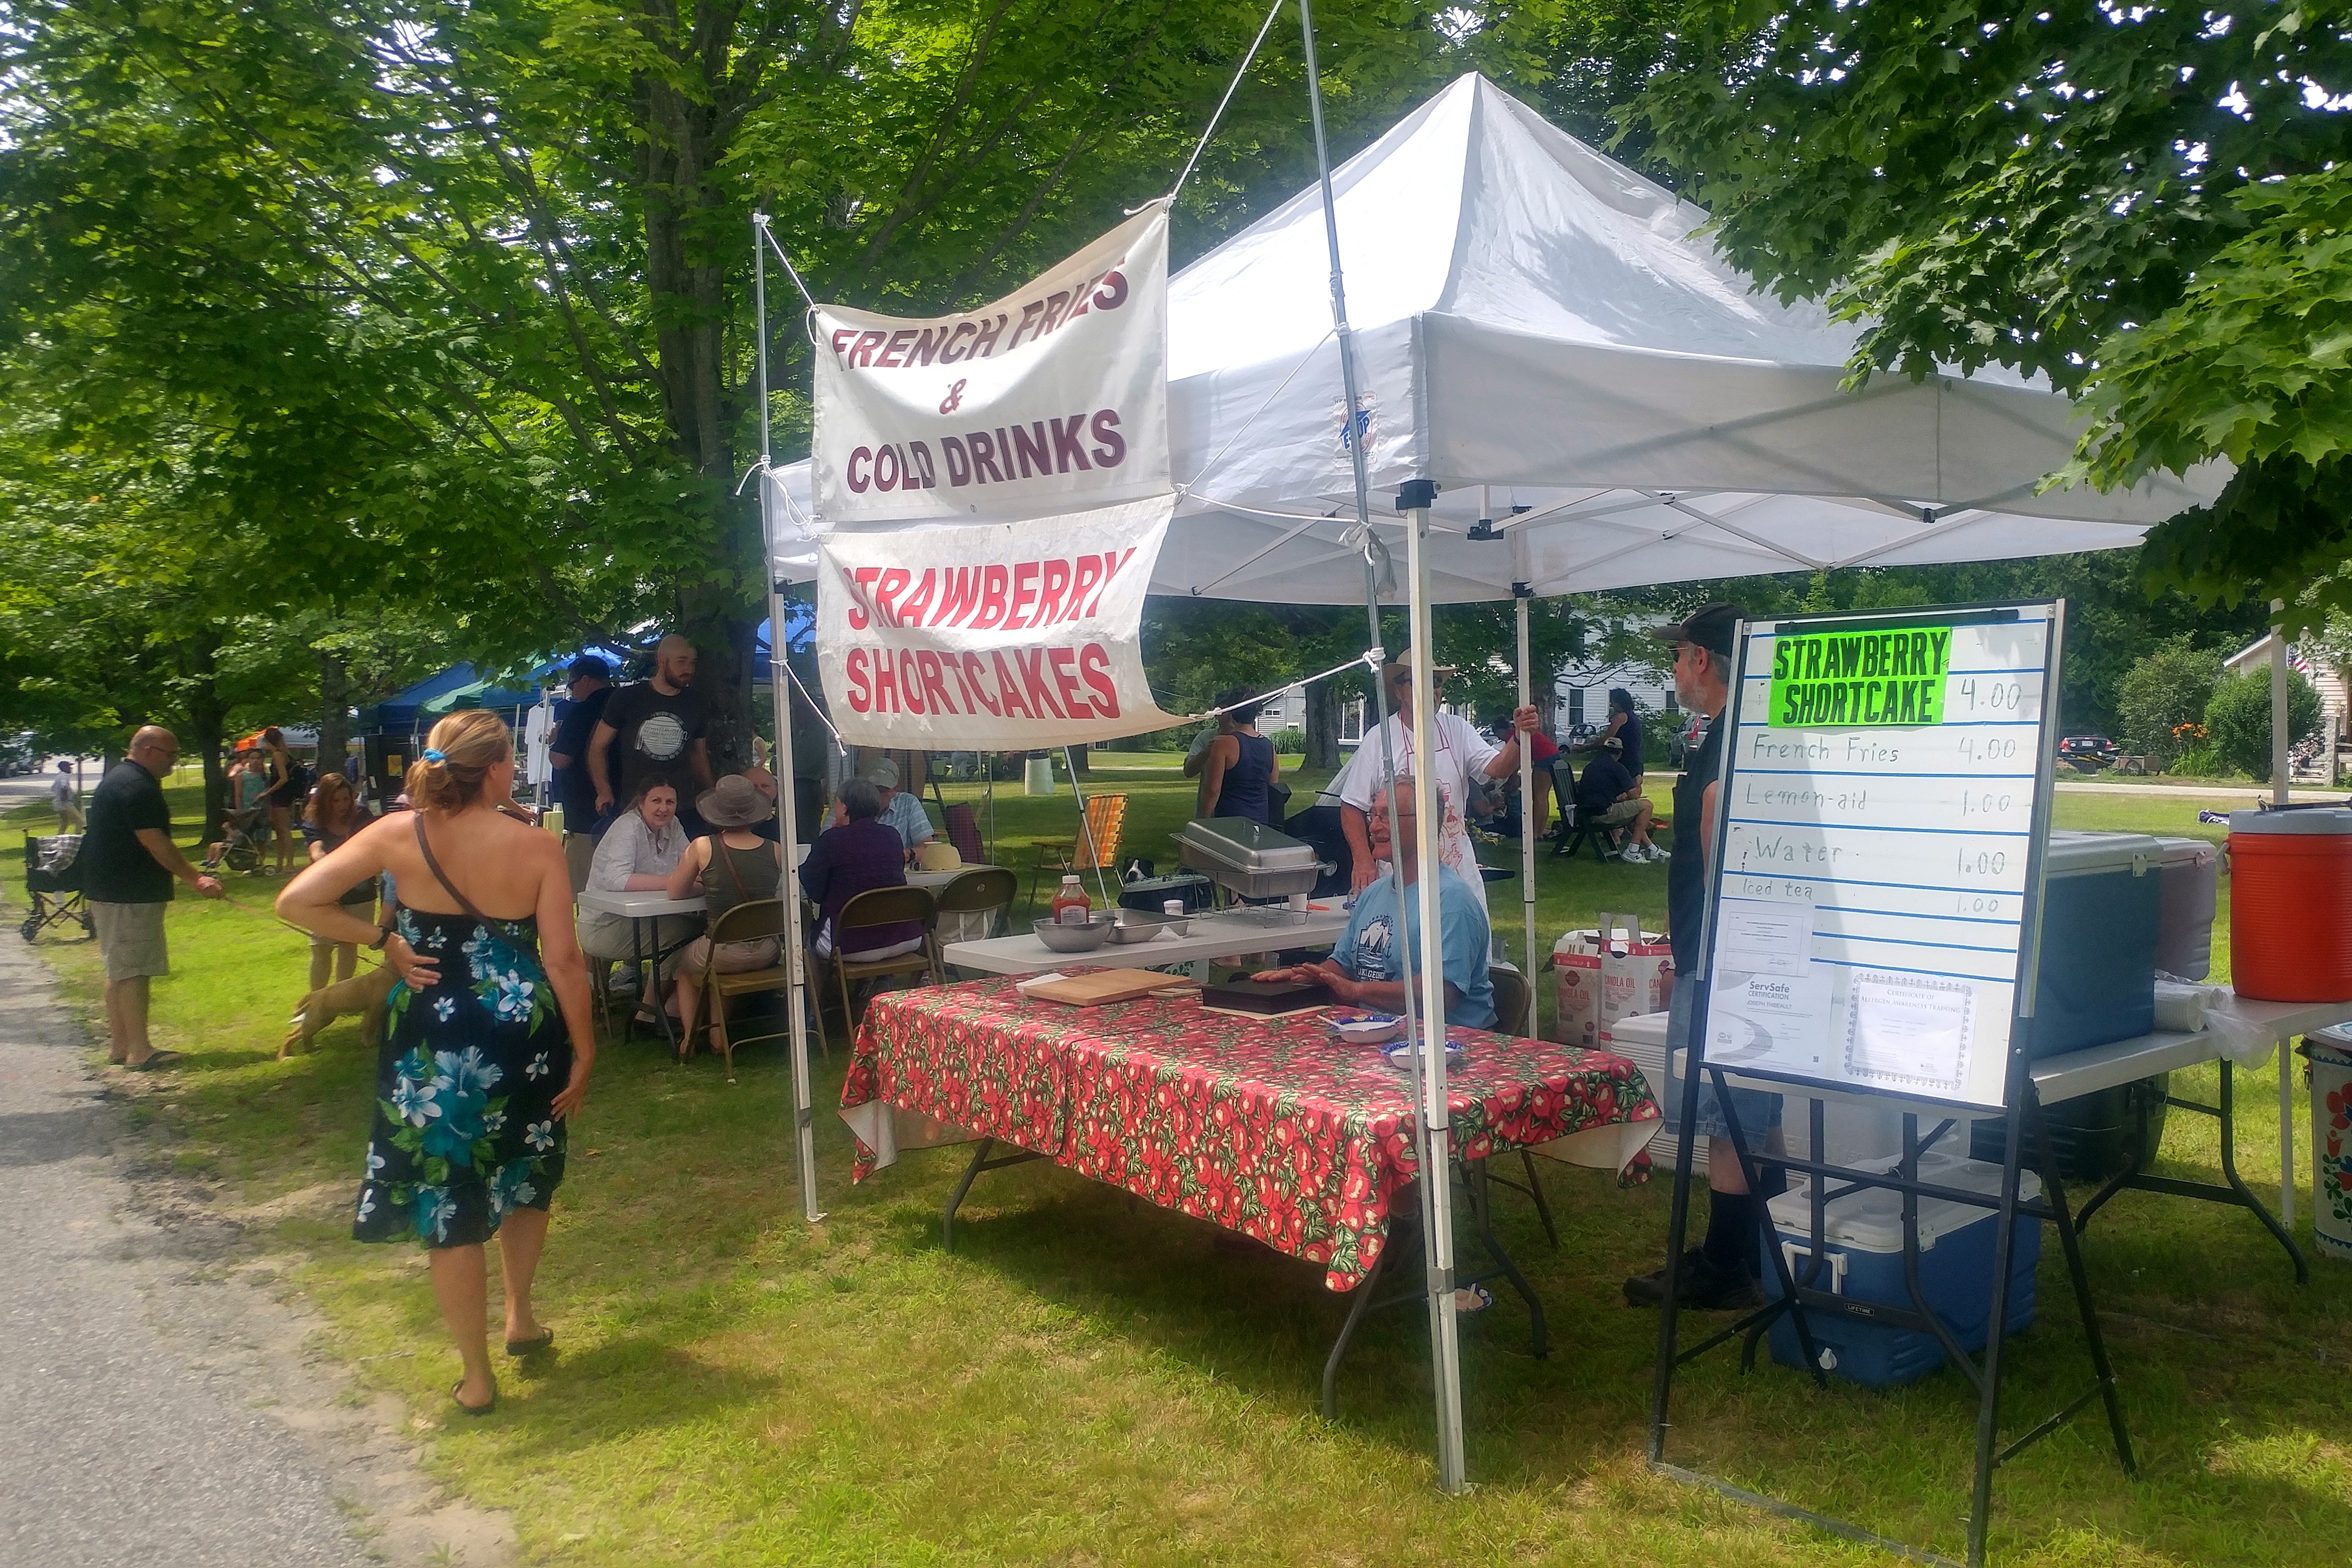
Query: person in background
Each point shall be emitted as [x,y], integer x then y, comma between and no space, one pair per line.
[1546,751]
[1240,766]
[656,726]
[590,682]
[1608,797]
[733,866]
[858,853]
[329,820]
[636,855]
[66,800]
[1366,968]
[770,826]
[284,793]
[489,1047]
[1720,1273]
[127,862]
[902,812]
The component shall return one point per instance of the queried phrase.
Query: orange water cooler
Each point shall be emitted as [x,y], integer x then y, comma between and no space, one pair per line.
[2291,905]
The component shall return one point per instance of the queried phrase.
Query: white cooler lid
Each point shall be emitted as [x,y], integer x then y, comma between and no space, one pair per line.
[2077,854]
[1641,1029]
[2198,850]
[1871,1220]
[2318,819]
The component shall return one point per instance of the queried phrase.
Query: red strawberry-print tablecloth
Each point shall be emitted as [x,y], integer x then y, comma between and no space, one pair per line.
[1275,1129]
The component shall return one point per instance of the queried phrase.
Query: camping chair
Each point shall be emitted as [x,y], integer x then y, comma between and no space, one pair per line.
[1577,828]
[879,906]
[1096,849]
[745,923]
[970,907]
[1515,1015]
[963,832]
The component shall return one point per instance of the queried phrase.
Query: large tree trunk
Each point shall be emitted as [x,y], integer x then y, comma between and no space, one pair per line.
[1322,726]
[334,712]
[208,723]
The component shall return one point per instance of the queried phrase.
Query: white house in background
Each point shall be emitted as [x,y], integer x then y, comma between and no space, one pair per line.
[2316,664]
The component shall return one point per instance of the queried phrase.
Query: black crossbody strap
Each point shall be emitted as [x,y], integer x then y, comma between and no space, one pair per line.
[442,877]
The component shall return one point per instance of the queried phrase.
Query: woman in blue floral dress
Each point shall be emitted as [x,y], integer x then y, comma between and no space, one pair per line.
[489,1047]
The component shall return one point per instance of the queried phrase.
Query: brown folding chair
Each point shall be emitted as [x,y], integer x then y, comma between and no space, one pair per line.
[1096,848]
[744,923]
[987,892]
[1515,1015]
[880,907]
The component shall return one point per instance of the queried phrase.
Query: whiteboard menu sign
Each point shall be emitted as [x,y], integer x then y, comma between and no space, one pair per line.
[1879,818]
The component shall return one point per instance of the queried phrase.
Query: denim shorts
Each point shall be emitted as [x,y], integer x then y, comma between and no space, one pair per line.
[1758,1110]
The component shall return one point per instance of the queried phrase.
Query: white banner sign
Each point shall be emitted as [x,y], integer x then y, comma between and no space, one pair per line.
[995,636]
[1051,398]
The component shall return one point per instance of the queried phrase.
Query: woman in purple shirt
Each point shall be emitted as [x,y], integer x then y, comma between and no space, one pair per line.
[862,854]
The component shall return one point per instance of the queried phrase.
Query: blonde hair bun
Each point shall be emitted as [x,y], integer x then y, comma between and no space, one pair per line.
[469,746]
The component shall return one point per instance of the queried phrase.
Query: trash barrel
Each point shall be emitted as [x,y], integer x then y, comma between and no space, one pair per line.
[2328,1053]
[1037,778]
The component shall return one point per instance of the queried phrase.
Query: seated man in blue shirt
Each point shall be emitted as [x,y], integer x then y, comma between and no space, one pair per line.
[1367,970]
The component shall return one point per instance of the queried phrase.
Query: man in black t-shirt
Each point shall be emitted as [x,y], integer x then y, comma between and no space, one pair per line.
[591,682]
[656,726]
[1609,797]
[127,861]
[1721,1271]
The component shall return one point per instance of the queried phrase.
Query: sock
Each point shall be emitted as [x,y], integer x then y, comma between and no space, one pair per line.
[1776,1182]
[1731,1220]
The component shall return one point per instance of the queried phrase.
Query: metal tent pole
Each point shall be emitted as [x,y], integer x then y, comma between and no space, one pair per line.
[2279,763]
[1436,1177]
[780,693]
[1521,594]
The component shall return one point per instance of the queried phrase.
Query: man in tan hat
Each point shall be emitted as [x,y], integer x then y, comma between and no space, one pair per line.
[1462,756]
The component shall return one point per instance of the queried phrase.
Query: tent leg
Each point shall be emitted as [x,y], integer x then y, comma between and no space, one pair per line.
[1527,804]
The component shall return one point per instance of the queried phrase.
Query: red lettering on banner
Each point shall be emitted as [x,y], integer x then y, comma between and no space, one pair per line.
[1049,593]
[1065,682]
[860,699]
[1032,661]
[886,684]
[864,580]
[1024,593]
[959,461]
[1008,691]
[1094,668]
[1113,450]
[1068,446]
[983,343]
[895,355]
[984,458]
[1085,291]
[918,603]
[841,336]
[926,346]
[1029,314]
[1113,293]
[918,463]
[894,583]
[885,468]
[910,682]
[935,688]
[863,455]
[992,584]
[958,593]
[962,329]
[1056,305]
[1112,562]
[1035,455]
[861,354]
[1090,573]
[972,676]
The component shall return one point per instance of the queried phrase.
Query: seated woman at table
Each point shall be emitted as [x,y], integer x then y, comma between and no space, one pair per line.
[636,855]
[733,866]
[860,854]
[1366,969]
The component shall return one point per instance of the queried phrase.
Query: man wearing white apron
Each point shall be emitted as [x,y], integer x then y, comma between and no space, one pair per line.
[1462,754]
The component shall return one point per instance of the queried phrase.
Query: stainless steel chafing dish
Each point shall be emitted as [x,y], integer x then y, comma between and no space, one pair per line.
[1248,859]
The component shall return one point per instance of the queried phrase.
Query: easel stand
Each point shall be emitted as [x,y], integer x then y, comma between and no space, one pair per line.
[1801,1297]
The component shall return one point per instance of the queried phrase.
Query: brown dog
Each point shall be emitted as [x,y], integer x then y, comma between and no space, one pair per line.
[362,994]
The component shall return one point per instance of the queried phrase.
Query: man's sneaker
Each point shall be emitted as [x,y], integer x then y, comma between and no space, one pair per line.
[1652,852]
[1704,1287]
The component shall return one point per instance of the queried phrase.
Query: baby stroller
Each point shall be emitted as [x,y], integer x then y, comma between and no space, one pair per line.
[53,881]
[245,839]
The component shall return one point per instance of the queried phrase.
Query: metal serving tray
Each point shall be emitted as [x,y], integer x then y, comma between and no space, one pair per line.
[1248,859]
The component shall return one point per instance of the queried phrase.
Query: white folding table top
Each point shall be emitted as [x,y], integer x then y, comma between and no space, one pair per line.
[1209,936]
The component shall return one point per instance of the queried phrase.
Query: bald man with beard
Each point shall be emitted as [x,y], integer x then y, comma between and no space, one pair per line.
[656,726]
[128,864]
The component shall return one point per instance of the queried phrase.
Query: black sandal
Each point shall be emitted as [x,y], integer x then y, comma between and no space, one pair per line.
[473,1409]
[543,1341]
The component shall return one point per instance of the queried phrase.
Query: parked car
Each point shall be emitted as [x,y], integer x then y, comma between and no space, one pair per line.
[2086,753]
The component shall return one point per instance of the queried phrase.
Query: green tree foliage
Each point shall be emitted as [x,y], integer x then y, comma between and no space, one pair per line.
[2161,696]
[2140,203]
[2238,719]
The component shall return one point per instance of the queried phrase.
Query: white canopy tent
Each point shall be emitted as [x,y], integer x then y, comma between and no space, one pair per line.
[1538,327]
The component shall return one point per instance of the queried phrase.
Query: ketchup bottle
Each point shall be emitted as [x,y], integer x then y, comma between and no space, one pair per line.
[1071,905]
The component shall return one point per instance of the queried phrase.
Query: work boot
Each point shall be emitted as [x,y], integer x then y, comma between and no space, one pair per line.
[1705,1288]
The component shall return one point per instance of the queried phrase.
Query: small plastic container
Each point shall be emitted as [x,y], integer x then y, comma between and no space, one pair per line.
[2188,900]
[2291,905]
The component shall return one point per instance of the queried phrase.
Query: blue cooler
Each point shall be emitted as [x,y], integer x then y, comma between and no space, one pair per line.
[2101,911]
[1863,1236]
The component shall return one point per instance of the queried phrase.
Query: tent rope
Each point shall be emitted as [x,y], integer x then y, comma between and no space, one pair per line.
[1234,87]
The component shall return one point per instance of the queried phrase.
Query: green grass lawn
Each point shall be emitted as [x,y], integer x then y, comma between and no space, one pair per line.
[1091,1381]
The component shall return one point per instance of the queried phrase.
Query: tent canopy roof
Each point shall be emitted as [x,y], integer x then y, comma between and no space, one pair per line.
[1539,329]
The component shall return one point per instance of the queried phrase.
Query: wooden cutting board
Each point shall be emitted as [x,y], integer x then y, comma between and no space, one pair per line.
[1108,986]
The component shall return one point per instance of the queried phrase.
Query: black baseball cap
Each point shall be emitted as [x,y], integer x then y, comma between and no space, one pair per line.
[1710,627]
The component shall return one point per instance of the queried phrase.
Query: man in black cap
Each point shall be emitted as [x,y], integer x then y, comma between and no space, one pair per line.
[1720,1272]
[591,682]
